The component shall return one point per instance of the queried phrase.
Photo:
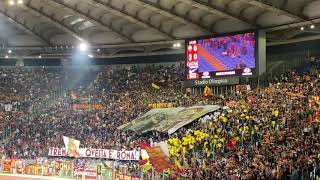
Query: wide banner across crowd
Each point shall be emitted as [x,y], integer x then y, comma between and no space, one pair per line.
[98,153]
[167,119]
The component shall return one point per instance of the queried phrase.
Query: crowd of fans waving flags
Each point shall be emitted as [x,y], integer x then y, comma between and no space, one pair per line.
[269,132]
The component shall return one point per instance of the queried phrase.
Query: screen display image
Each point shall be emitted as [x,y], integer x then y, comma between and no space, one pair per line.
[221,56]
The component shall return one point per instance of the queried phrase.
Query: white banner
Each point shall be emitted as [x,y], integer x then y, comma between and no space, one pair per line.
[98,153]
[8,107]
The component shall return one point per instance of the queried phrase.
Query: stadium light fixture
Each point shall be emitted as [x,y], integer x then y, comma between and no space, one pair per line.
[176,45]
[6,57]
[302,28]
[90,55]
[312,26]
[83,46]
[98,50]
[9,51]
[11,2]
[39,56]
[20,1]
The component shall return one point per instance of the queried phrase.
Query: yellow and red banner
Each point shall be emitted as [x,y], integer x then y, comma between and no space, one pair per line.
[38,170]
[87,106]
[160,105]
[158,159]
[7,166]
[207,91]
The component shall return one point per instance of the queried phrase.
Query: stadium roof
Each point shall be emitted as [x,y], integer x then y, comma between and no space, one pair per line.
[146,26]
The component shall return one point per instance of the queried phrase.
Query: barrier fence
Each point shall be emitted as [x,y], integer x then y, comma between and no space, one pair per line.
[80,169]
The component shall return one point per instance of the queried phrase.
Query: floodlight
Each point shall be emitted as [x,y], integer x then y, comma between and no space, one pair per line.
[11,2]
[83,46]
[312,26]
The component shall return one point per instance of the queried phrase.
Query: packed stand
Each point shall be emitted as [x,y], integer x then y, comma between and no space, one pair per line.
[24,89]
[267,132]
[124,95]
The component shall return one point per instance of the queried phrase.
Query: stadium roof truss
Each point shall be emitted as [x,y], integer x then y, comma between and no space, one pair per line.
[147,26]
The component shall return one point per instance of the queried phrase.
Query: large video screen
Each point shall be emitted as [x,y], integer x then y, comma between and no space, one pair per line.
[221,56]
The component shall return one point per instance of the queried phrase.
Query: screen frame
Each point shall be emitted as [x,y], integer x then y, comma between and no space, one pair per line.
[256,55]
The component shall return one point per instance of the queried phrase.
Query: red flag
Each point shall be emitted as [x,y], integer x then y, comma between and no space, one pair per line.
[145,145]
[143,162]
[232,144]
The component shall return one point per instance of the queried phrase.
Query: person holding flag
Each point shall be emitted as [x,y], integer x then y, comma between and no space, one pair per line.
[207,91]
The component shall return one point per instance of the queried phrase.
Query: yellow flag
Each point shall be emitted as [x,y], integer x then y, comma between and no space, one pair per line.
[155,86]
[177,163]
[207,91]
[204,166]
[276,113]
[146,167]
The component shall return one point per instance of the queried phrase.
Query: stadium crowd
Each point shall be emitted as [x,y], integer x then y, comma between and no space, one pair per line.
[265,133]
[24,89]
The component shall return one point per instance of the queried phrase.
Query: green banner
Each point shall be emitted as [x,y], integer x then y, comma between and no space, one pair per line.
[167,119]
